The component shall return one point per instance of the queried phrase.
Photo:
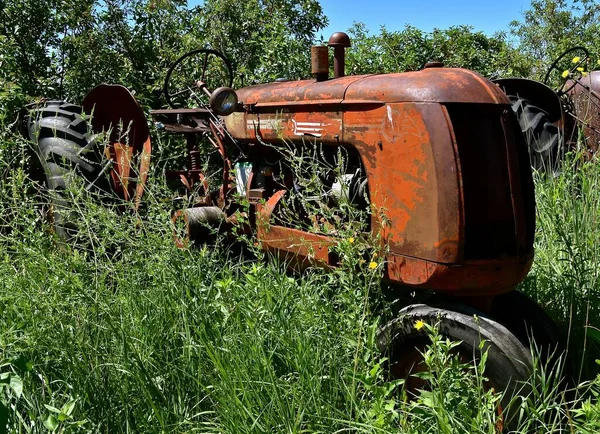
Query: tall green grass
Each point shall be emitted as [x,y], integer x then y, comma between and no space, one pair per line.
[565,278]
[126,333]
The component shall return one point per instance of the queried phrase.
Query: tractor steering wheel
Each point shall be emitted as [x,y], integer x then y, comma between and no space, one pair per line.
[577,56]
[189,76]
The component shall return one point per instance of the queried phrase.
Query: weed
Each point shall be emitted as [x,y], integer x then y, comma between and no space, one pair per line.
[127,333]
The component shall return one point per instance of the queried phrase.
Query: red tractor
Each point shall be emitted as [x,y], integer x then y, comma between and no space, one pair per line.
[433,160]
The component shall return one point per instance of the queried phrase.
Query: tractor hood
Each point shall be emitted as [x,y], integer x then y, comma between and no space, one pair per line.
[436,85]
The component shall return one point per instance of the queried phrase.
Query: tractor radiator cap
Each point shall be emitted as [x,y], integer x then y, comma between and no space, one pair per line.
[339,39]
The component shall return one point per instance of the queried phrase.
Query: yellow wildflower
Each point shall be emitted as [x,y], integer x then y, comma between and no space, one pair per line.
[565,73]
[350,240]
[580,69]
[374,255]
[372,265]
[576,59]
[419,324]
[584,73]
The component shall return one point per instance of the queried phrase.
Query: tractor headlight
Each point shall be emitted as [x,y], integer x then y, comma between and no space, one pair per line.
[223,101]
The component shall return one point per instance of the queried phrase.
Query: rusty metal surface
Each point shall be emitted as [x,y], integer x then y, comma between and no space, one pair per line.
[197,222]
[443,85]
[319,61]
[115,111]
[428,85]
[300,92]
[180,111]
[183,121]
[404,186]
[339,41]
[586,104]
[473,278]
[302,248]
[326,126]
[418,157]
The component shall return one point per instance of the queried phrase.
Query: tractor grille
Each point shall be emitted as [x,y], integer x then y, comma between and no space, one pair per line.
[498,205]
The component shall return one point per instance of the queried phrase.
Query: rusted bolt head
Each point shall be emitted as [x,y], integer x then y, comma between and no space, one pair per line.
[434,64]
[339,39]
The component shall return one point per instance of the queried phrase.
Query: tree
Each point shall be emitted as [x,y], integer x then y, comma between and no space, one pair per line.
[266,39]
[30,32]
[410,48]
[550,27]
[62,48]
[129,42]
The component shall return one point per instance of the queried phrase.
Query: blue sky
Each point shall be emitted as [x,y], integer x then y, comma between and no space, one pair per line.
[488,16]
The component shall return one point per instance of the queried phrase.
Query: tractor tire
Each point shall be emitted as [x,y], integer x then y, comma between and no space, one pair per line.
[508,365]
[59,134]
[535,329]
[543,138]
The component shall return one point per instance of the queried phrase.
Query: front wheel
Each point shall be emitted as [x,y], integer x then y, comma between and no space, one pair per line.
[508,364]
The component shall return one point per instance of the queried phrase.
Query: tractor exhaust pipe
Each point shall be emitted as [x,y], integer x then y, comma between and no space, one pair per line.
[319,57]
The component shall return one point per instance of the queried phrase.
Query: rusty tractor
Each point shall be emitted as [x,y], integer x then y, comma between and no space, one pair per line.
[557,120]
[434,160]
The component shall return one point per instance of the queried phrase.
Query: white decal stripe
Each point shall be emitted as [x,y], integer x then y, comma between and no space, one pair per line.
[309,124]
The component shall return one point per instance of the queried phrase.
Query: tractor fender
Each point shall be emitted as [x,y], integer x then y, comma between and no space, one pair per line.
[116,112]
[585,96]
[536,93]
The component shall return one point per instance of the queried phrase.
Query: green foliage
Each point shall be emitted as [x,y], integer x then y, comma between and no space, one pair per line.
[11,93]
[136,333]
[128,333]
[410,49]
[265,40]
[125,42]
[565,277]
[30,31]
[455,398]
[550,27]
[587,413]
[527,50]
[63,48]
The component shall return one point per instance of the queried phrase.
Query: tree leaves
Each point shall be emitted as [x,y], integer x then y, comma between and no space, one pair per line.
[550,27]
[63,48]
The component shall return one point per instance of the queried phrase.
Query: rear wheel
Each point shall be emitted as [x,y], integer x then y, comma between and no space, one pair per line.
[542,136]
[59,133]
